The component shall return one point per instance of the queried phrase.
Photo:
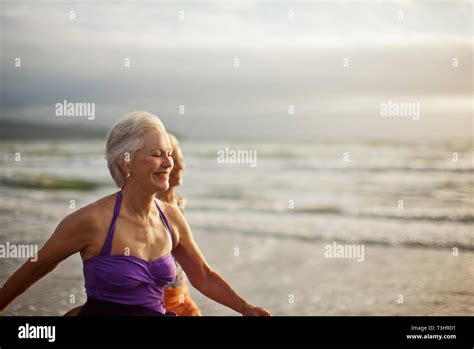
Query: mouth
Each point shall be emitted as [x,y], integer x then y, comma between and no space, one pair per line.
[162,175]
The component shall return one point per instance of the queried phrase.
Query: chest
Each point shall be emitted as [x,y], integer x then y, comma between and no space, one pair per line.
[147,241]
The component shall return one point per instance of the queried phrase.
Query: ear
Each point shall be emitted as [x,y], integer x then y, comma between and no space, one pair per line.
[125,164]
[125,167]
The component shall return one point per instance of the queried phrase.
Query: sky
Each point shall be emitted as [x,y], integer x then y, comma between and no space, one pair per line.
[334,62]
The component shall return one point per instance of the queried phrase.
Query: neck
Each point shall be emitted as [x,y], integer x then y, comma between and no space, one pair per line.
[138,201]
[167,196]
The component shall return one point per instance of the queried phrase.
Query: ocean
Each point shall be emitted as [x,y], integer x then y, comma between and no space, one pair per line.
[395,194]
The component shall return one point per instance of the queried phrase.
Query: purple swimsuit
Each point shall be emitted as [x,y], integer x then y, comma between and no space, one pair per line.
[121,285]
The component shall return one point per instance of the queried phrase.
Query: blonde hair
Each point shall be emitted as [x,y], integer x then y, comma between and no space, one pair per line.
[125,138]
[173,140]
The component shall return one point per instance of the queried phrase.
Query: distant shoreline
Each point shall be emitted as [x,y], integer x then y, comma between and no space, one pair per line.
[14,130]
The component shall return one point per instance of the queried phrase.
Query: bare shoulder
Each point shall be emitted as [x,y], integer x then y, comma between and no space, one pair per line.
[175,218]
[77,232]
[92,217]
[170,210]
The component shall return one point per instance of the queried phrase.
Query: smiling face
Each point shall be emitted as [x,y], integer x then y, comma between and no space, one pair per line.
[152,163]
[176,177]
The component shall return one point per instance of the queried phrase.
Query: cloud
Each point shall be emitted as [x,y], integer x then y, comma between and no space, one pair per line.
[190,62]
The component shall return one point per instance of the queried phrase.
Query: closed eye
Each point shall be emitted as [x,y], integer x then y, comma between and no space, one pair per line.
[157,153]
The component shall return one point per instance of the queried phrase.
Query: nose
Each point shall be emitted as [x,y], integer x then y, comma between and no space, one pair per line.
[168,161]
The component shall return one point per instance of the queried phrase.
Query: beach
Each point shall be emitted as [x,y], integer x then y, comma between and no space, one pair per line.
[432,282]
[266,229]
[294,278]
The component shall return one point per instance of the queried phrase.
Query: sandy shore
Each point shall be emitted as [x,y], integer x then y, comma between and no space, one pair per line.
[273,272]
[290,277]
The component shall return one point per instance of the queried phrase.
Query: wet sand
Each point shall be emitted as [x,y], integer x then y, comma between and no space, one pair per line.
[291,277]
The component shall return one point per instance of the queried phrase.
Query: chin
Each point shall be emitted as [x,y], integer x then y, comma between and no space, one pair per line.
[161,186]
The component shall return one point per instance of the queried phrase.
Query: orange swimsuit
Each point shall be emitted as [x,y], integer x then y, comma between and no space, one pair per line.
[179,301]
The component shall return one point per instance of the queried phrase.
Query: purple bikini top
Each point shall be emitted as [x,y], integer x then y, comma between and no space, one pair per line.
[129,279]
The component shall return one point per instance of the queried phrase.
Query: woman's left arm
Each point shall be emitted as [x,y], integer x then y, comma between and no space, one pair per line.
[200,274]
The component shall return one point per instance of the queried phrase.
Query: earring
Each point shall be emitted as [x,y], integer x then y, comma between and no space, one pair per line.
[128,174]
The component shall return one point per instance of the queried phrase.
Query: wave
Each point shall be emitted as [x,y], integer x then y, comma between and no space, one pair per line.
[319,239]
[339,211]
[383,169]
[440,218]
[47,182]
[413,217]
[309,163]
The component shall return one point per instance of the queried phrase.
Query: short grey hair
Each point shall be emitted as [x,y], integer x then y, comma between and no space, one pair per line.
[125,138]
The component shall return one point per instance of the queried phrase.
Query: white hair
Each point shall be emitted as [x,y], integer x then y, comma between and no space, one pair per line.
[125,138]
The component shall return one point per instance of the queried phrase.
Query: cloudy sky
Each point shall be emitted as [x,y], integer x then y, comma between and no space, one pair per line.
[335,62]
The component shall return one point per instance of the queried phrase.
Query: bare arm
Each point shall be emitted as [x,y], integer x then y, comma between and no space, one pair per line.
[69,237]
[202,277]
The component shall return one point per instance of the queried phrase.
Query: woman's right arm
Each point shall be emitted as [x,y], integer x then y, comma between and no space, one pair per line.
[71,236]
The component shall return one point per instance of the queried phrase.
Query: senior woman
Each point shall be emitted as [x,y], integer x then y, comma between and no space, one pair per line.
[128,241]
